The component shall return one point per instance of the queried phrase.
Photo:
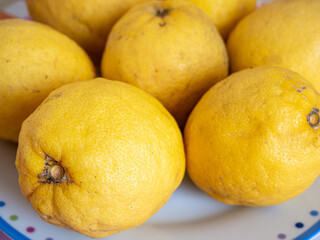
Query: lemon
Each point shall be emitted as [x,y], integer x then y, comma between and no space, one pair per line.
[87,22]
[284,33]
[170,49]
[34,60]
[99,157]
[225,14]
[253,139]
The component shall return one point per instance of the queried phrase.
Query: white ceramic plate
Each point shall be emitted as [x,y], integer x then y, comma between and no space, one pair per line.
[190,214]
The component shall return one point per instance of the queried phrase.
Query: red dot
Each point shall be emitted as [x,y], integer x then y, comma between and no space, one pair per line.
[30,229]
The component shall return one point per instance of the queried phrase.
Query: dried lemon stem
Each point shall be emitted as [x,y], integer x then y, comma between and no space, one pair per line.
[56,172]
[161,12]
[313,118]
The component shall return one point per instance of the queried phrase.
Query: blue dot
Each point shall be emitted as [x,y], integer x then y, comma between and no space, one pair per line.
[299,225]
[2,203]
[314,213]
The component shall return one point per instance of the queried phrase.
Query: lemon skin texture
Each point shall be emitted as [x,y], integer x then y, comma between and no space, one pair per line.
[170,49]
[284,33]
[99,157]
[87,22]
[253,138]
[227,13]
[34,60]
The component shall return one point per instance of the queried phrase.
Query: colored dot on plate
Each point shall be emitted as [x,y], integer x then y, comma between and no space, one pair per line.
[299,225]
[14,217]
[30,229]
[314,213]
[282,236]
[49,238]
[2,203]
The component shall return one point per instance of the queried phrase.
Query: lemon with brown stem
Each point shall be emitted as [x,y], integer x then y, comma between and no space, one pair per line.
[254,138]
[99,157]
[170,49]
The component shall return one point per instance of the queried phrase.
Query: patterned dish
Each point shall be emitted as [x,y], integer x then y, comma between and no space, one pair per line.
[190,214]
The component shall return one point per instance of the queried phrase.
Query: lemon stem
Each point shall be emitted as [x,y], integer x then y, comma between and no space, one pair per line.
[313,118]
[161,12]
[56,172]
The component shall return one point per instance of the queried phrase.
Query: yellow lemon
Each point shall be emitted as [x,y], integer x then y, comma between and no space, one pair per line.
[254,138]
[34,60]
[87,22]
[284,33]
[99,157]
[225,14]
[170,49]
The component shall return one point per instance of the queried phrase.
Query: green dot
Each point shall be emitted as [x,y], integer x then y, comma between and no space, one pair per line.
[14,217]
